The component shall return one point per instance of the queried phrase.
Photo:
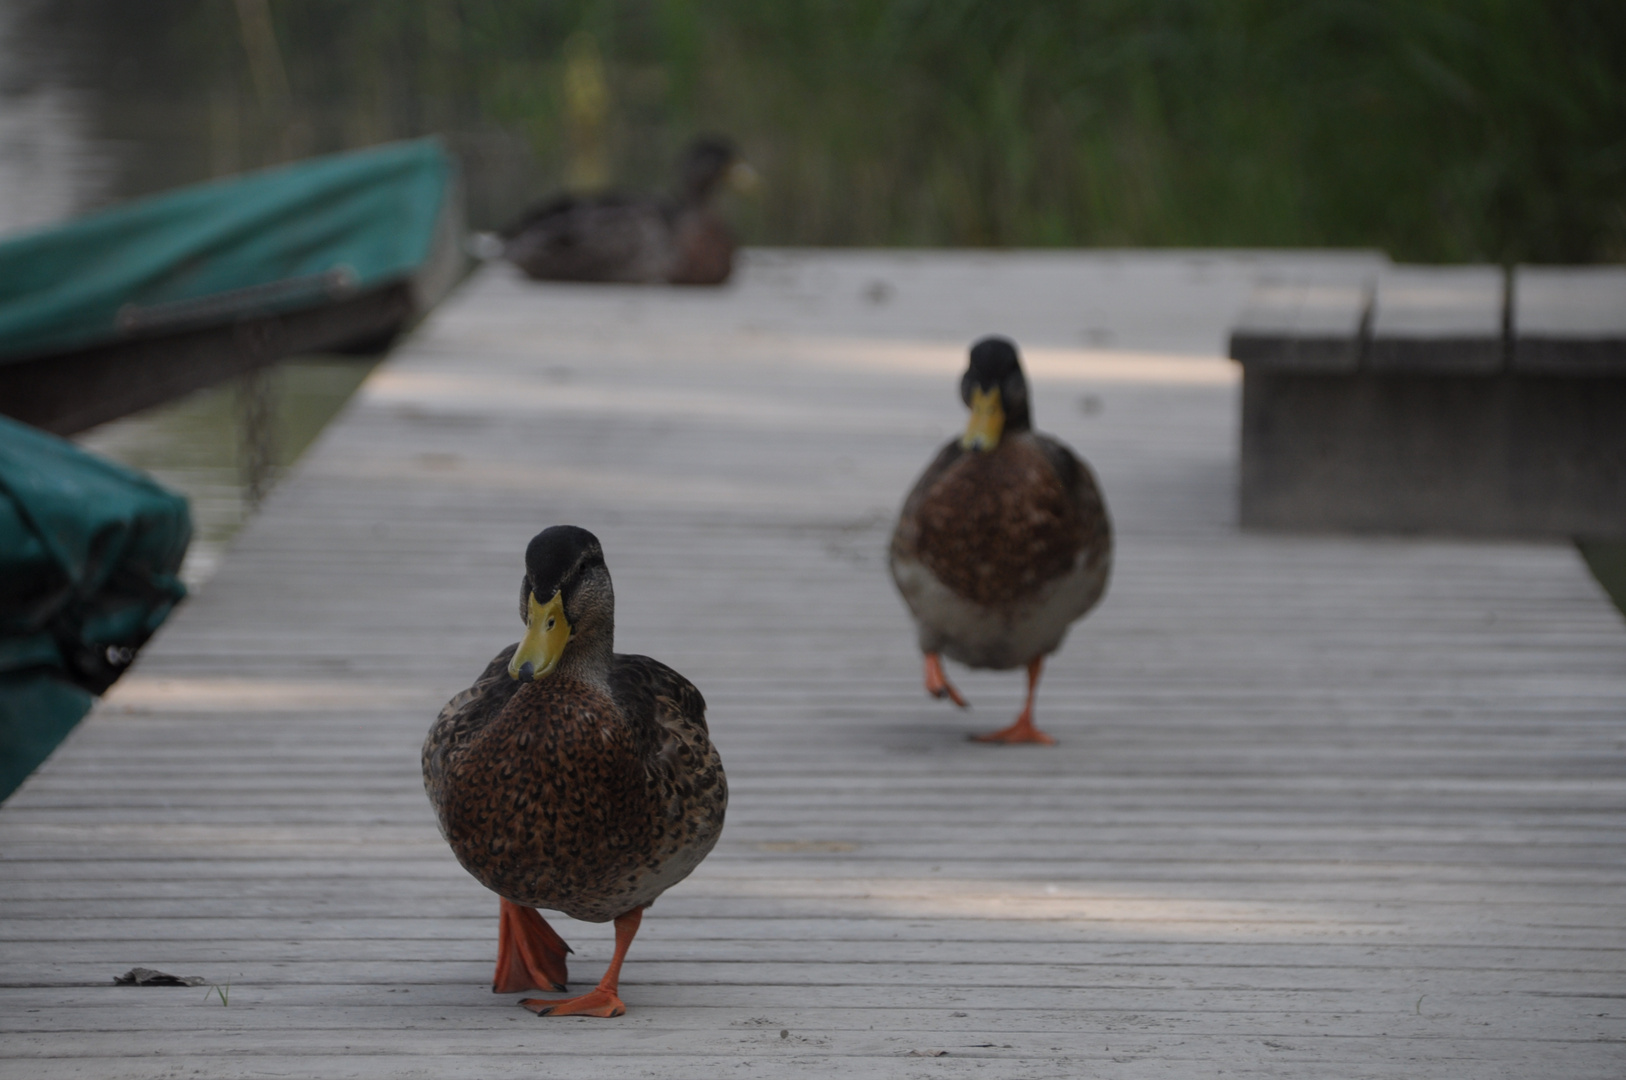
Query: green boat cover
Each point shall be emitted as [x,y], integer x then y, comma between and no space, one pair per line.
[281,239]
[89,553]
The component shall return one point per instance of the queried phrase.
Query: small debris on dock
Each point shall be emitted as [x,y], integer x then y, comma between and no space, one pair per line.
[140,976]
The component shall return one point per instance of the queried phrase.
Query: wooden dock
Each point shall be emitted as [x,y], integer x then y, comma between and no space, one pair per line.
[1323,807]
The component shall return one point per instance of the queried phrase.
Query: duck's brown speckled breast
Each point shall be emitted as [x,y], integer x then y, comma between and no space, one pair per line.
[997,526]
[561,802]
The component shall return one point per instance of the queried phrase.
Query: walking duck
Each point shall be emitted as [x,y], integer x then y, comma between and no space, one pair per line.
[572,777]
[622,238]
[1004,541]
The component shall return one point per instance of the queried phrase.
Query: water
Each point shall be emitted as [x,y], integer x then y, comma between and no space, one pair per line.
[103,100]
[195,445]
[51,165]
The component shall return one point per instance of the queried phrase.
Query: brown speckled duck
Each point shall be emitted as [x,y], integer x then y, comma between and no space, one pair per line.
[636,240]
[1004,541]
[572,777]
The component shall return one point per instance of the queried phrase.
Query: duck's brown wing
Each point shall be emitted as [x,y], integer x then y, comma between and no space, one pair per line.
[1085,495]
[463,716]
[646,689]
[906,535]
[669,712]
[611,238]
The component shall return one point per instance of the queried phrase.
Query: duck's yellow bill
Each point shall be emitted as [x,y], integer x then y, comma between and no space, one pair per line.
[742,178]
[547,632]
[987,421]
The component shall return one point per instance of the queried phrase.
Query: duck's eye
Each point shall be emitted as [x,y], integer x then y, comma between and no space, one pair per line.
[550,623]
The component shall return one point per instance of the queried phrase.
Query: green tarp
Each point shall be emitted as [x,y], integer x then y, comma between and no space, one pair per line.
[281,239]
[89,553]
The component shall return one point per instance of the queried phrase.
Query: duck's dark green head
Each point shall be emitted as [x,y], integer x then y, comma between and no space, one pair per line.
[710,162]
[997,393]
[566,597]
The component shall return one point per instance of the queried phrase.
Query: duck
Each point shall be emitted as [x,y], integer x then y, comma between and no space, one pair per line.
[573,778]
[1003,542]
[678,240]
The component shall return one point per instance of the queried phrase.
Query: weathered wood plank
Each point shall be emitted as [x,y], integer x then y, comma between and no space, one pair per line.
[1570,320]
[1302,325]
[1439,320]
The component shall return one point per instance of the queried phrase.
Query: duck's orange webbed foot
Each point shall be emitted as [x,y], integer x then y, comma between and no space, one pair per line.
[593,1003]
[530,956]
[1022,731]
[937,684]
[603,999]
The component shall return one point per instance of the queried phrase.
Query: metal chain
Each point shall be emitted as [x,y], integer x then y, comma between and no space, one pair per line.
[256,410]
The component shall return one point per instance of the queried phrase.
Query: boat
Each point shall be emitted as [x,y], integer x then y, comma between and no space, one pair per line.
[152,299]
[90,556]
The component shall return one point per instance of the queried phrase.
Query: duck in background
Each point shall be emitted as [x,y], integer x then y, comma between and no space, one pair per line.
[573,777]
[1004,541]
[678,240]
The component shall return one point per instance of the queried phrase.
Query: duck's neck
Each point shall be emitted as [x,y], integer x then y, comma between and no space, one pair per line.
[590,654]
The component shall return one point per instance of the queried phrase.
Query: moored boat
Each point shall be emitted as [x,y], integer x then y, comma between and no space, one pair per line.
[149,300]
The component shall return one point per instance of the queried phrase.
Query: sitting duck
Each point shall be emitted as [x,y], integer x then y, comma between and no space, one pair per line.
[1004,541]
[622,238]
[572,777]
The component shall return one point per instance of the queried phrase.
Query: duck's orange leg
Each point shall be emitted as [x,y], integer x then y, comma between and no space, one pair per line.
[937,684]
[602,999]
[1023,730]
[530,956]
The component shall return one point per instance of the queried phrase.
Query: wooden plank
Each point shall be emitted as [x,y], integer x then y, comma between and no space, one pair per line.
[1322,807]
[1303,325]
[1438,320]
[1570,320]
[1278,1052]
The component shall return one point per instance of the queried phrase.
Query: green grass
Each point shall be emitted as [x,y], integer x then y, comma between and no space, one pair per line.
[1440,130]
